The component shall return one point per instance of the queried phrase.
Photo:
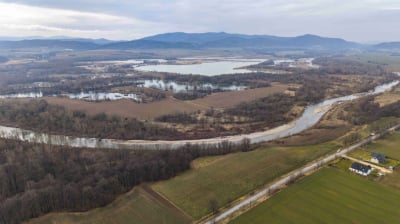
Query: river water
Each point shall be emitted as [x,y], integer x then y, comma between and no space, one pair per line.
[311,115]
[206,68]
[176,87]
[149,83]
[87,96]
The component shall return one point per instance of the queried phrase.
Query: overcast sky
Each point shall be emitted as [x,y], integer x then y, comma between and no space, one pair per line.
[356,20]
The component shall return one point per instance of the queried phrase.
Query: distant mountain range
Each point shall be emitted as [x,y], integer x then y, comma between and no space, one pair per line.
[52,44]
[225,40]
[199,41]
[388,46]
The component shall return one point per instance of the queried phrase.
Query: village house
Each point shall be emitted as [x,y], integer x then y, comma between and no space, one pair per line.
[378,158]
[361,169]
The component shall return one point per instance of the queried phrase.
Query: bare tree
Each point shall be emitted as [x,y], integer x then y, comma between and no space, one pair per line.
[245,144]
[213,206]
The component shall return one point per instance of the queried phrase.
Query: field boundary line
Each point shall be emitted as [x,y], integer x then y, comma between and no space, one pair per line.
[289,178]
[165,201]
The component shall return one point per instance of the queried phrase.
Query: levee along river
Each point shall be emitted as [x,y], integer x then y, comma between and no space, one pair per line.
[311,115]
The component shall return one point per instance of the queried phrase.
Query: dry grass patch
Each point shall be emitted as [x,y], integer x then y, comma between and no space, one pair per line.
[139,206]
[231,99]
[388,97]
[128,108]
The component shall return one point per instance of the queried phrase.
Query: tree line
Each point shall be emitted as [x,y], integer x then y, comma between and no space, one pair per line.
[346,66]
[366,110]
[40,116]
[36,179]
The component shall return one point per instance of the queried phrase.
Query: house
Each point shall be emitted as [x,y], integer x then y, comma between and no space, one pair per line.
[360,169]
[378,158]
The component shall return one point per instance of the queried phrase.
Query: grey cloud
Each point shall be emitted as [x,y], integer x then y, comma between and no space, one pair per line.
[359,20]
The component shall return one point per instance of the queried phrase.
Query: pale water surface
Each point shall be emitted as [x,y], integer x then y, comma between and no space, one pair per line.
[206,68]
[176,87]
[88,96]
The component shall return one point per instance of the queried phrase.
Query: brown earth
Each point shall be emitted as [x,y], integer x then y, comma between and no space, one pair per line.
[128,108]
[388,97]
[230,99]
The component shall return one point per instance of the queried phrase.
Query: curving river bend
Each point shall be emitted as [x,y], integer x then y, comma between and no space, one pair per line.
[311,115]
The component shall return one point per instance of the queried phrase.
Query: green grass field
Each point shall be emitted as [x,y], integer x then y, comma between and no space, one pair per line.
[390,146]
[135,207]
[392,179]
[366,156]
[229,177]
[329,196]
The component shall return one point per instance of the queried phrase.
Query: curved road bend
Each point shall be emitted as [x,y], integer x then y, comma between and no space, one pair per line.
[284,180]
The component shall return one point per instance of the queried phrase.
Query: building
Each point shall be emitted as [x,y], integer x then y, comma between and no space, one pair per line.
[360,169]
[378,158]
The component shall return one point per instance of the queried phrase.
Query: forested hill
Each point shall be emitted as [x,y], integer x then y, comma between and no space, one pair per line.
[226,40]
[51,44]
[200,41]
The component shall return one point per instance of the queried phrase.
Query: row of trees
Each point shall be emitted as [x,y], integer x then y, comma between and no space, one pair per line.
[182,118]
[366,110]
[190,95]
[347,66]
[43,117]
[36,179]
[272,109]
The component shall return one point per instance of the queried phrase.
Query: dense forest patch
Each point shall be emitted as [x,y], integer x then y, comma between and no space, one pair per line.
[36,179]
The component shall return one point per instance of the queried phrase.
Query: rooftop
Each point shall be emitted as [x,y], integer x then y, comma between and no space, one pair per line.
[361,167]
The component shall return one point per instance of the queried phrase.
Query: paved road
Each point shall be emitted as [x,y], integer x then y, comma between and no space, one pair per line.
[284,180]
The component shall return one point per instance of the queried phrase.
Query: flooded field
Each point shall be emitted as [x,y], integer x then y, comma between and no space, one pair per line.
[207,68]
[88,96]
[177,87]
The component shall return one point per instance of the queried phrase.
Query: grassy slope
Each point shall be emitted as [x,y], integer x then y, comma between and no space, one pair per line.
[137,206]
[329,196]
[234,175]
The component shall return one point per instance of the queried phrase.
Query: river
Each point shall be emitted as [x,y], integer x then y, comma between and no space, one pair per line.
[311,115]
[206,68]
